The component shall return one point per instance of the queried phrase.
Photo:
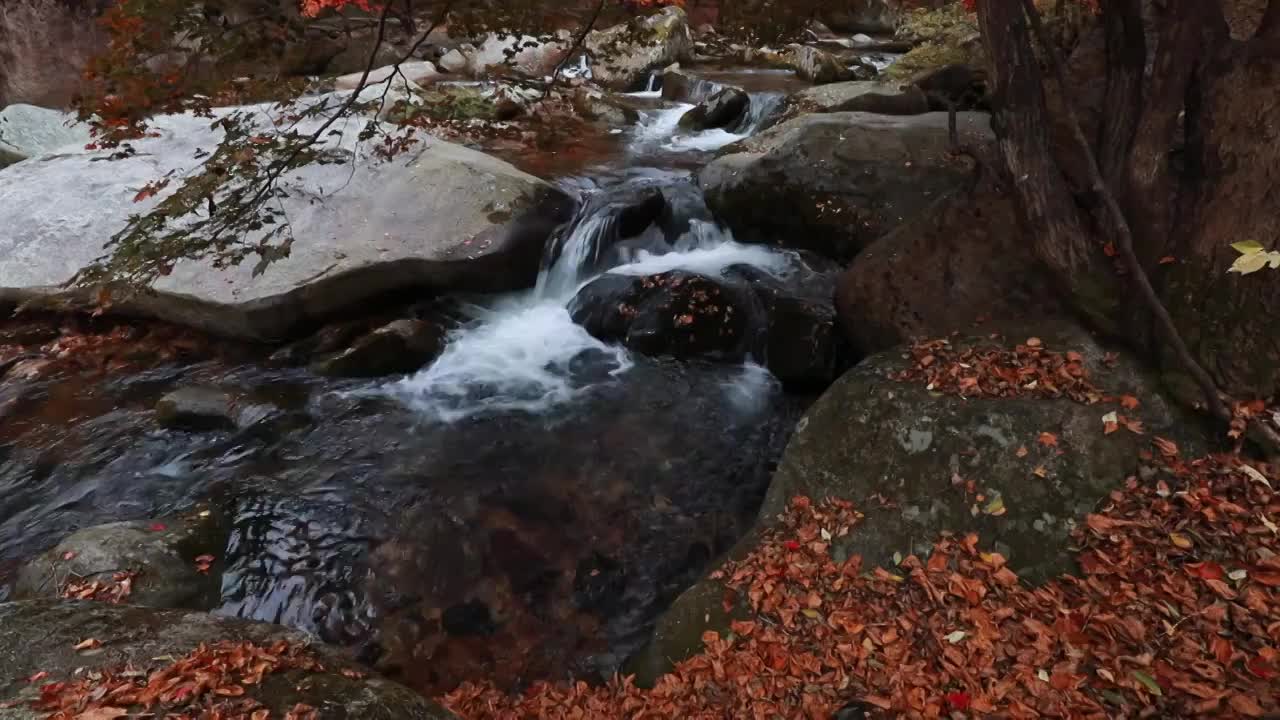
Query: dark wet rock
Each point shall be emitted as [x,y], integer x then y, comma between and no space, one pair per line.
[960,86]
[957,263]
[468,618]
[821,67]
[40,635]
[598,583]
[328,339]
[724,109]
[636,217]
[402,346]
[162,553]
[787,326]
[799,339]
[870,437]
[857,96]
[675,313]
[834,182]
[197,409]
[623,55]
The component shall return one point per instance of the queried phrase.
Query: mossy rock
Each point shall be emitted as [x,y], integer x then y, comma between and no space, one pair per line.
[895,449]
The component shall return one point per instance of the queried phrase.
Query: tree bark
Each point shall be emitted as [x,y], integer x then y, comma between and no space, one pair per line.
[1126,63]
[1061,237]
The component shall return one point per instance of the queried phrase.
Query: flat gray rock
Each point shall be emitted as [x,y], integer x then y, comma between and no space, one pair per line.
[439,216]
[27,131]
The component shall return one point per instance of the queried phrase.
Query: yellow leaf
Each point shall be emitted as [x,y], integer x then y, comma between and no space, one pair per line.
[1181,541]
[996,506]
[1250,263]
[1248,247]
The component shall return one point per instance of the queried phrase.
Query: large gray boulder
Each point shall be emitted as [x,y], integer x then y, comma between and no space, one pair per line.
[944,271]
[895,450]
[834,182]
[162,554]
[623,55]
[40,636]
[870,437]
[440,216]
[27,131]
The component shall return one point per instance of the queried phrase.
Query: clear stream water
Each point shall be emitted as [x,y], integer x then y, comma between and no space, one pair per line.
[521,509]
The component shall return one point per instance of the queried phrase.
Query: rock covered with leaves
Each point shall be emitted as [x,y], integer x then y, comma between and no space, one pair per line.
[1174,615]
[98,661]
[1006,439]
[152,563]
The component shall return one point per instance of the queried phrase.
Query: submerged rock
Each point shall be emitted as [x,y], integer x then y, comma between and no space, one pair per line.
[724,109]
[198,409]
[158,558]
[40,636]
[623,55]
[401,346]
[27,131]
[440,216]
[834,182]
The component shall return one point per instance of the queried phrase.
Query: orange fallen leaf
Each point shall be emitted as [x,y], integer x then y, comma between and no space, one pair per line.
[1022,451]
[1048,439]
[1129,402]
[87,644]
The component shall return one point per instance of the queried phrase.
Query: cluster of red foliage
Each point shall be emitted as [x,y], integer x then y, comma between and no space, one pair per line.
[113,591]
[1177,614]
[209,682]
[1028,370]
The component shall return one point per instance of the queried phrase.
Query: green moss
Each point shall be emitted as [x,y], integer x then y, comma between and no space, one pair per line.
[946,36]
[448,103]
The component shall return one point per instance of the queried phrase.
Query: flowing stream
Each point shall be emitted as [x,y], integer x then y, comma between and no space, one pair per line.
[520,509]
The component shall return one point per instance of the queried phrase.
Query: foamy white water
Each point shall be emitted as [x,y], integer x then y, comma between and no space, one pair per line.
[516,357]
[523,352]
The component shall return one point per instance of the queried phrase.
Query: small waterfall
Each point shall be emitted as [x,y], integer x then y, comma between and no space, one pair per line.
[575,253]
[763,106]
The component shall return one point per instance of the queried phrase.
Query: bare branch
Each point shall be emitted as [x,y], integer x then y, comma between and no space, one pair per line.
[577,44]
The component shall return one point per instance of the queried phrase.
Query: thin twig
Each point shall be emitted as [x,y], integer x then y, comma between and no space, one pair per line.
[577,44]
[1124,240]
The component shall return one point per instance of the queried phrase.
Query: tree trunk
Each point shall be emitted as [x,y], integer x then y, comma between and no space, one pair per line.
[1060,234]
[1230,320]
[1189,142]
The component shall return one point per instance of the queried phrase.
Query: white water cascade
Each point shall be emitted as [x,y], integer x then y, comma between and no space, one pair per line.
[523,352]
